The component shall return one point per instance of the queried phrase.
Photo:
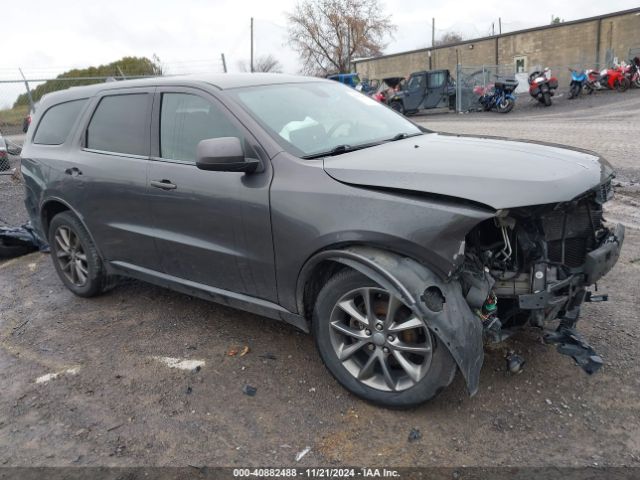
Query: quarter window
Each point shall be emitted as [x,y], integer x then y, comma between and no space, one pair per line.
[120,125]
[56,123]
[185,120]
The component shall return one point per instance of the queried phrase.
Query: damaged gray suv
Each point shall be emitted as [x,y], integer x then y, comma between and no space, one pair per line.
[402,250]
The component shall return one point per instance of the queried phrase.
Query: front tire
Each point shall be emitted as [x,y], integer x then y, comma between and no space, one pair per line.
[622,85]
[375,346]
[506,105]
[398,107]
[546,99]
[75,257]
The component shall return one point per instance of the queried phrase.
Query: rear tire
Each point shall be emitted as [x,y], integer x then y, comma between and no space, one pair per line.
[75,256]
[367,359]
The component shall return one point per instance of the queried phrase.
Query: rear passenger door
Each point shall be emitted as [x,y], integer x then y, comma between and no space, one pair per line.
[112,167]
[437,89]
[213,228]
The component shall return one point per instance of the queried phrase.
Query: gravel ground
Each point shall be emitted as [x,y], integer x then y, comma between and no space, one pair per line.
[116,402]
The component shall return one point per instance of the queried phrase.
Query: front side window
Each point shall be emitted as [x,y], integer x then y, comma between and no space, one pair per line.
[416,83]
[120,125]
[56,123]
[185,120]
[312,118]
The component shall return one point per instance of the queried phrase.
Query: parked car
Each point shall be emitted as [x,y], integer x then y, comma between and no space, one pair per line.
[350,79]
[27,120]
[399,248]
[424,91]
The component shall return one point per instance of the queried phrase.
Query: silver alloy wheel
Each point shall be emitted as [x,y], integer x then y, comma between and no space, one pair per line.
[71,256]
[379,340]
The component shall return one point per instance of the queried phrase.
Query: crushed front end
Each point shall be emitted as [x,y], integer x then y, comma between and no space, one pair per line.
[532,265]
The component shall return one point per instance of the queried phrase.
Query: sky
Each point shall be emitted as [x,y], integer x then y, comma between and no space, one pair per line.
[50,37]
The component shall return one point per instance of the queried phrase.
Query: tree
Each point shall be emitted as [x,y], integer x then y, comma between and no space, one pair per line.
[327,34]
[556,20]
[264,63]
[129,66]
[447,38]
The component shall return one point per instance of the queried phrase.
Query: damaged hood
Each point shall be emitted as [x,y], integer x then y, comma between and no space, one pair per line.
[500,173]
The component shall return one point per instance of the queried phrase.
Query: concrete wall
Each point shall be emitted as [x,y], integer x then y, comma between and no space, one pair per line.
[558,47]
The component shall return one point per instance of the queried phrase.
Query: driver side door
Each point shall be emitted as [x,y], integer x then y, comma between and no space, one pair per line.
[212,228]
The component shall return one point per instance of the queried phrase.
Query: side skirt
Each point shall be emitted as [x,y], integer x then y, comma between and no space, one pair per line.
[239,301]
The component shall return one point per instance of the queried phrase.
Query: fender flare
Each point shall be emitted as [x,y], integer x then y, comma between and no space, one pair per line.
[455,325]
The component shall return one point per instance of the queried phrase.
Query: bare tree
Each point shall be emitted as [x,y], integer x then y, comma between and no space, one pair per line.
[447,38]
[264,63]
[328,33]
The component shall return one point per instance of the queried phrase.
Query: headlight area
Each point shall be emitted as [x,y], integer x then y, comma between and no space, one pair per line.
[532,265]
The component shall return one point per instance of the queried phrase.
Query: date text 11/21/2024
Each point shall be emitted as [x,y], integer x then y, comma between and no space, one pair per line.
[316,472]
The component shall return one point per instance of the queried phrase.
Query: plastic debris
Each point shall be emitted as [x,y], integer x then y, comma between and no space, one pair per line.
[16,241]
[514,362]
[302,453]
[414,435]
[249,390]
[244,350]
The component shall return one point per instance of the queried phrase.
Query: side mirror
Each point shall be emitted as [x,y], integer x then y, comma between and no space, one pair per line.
[224,154]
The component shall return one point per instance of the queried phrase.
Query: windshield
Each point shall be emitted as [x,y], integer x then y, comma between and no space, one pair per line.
[310,119]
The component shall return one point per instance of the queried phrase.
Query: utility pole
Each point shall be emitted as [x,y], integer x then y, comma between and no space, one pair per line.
[500,25]
[493,28]
[251,44]
[433,31]
[224,63]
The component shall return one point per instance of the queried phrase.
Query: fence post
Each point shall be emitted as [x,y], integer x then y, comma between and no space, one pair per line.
[26,84]
[458,89]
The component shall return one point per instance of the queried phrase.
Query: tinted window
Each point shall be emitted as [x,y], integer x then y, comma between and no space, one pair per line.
[56,123]
[436,79]
[120,125]
[186,119]
[416,83]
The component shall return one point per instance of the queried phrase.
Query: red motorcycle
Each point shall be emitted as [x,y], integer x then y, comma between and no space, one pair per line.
[609,78]
[542,86]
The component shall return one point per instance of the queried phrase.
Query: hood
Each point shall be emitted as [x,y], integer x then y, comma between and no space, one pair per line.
[500,173]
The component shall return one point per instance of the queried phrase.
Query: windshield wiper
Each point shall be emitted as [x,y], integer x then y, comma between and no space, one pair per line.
[338,150]
[403,135]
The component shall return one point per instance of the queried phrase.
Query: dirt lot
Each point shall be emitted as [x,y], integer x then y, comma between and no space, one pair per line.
[115,400]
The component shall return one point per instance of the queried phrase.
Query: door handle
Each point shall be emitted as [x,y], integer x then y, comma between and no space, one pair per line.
[164,184]
[73,171]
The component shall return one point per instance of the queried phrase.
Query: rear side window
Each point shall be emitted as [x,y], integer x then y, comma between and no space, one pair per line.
[187,119]
[120,125]
[436,79]
[56,123]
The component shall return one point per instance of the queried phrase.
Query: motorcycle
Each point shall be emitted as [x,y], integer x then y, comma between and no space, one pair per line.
[578,83]
[632,72]
[609,78]
[501,97]
[542,86]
